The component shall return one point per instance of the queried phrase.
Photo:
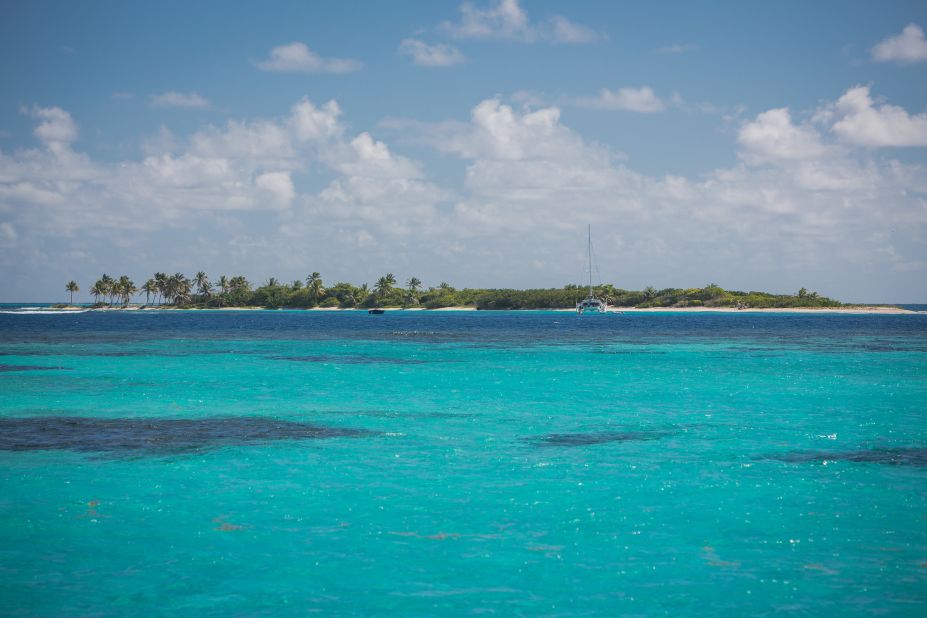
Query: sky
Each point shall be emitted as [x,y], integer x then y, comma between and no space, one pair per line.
[755,145]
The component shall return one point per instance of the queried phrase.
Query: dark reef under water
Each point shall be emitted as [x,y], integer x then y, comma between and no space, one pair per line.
[9,368]
[890,456]
[349,360]
[141,435]
[600,437]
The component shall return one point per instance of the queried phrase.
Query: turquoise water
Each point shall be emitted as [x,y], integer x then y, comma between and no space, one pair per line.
[276,463]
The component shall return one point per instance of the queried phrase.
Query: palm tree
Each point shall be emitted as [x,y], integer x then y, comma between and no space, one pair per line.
[385,285]
[117,287]
[125,288]
[224,287]
[202,284]
[316,288]
[72,287]
[161,286]
[97,291]
[180,288]
[239,284]
[168,286]
[272,282]
[107,285]
[413,284]
[649,292]
[381,287]
[176,287]
[150,287]
[297,285]
[206,291]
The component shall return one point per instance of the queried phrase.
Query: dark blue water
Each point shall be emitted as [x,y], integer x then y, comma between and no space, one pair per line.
[479,327]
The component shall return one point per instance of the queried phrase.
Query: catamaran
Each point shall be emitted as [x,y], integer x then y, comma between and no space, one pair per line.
[591,304]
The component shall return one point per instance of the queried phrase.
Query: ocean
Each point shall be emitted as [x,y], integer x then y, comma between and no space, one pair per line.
[272,463]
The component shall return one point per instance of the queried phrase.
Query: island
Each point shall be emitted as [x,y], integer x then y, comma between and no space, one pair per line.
[178,291]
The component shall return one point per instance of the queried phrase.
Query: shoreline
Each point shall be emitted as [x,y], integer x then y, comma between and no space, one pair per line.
[848,310]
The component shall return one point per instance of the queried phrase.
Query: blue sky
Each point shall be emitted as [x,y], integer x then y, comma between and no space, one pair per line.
[755,145]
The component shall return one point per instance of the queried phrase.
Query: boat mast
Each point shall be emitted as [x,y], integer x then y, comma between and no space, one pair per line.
[590,260]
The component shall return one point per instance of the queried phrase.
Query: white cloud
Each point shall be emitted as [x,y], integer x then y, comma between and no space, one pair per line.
[677,48]
[367,157]
[642,100]
[298,58]
[855,118]
[302,189]
[505,19]
[797,204]
[56,127]
[30,193]
[772,135]
[241,166]
[859,120]
[186,100]
[257,144]
[565,31]
[527,170]
[279,185]
[377,186]
[907,47]
[497,132]
[438,55]
[316,123]
[397,206]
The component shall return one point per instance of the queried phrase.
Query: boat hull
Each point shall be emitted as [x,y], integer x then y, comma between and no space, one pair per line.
[591,306]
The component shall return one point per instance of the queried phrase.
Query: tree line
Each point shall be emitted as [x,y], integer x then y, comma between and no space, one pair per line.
[178,290]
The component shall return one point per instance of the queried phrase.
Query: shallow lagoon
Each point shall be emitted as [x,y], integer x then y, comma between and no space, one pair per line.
[268,463]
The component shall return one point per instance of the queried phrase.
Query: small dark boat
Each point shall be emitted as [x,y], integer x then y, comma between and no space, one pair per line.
[376,311]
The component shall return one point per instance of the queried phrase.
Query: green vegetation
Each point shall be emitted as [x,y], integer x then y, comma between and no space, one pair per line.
[72,287]
[178,291]
[110,290]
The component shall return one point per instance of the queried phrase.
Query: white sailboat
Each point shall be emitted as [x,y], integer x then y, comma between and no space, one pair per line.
[591,304]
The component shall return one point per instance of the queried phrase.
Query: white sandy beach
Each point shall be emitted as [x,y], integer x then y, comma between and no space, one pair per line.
[855,310]
[851,310]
